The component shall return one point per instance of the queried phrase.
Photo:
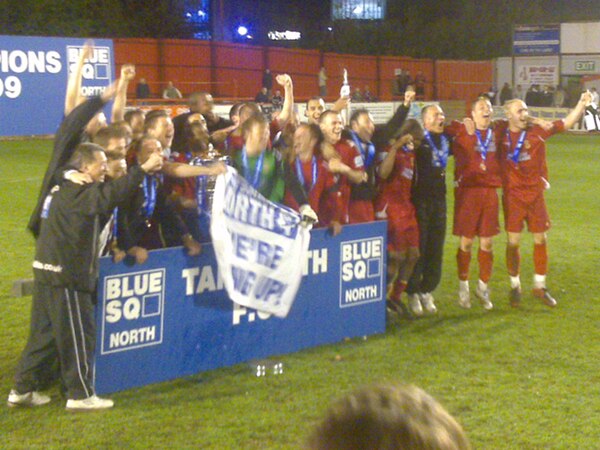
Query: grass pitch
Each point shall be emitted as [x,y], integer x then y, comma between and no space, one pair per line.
[515,379]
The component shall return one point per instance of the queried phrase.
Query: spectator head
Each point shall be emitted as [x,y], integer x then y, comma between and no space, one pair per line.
[481,111]
[196,134]
[314,108]
[362,124]
[412,127]
[113,139]
[433,118]
[201,102]
[234,113]
[388,417]
[159,125]
[135,118]
[90,159]
[145,147]
[331,125]
[307,139]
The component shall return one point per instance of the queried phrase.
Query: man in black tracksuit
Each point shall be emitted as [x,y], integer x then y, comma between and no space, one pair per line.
[429,198]
[69,135]
[65,277]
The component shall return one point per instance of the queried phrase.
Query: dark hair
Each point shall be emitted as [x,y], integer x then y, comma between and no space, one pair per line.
[129,115]
[193,98]
[152,118]
[316,97]
[412,127]
[235,110]
[84,154]
[113,131]
[357,113]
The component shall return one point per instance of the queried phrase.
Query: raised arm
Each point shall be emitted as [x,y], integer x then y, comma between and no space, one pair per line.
[385,167]
[118,109]
[287,110]
[577,112]
[180,170]
[73,96]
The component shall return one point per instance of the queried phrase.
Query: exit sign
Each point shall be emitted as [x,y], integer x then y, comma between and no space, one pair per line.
[585,66]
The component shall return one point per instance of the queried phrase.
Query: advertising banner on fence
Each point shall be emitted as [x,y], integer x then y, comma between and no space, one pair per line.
[33,80]
[171,317]
[530,40]
[258,244]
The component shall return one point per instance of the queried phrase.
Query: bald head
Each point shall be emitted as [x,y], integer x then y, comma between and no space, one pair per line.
[433,119]
[517,114]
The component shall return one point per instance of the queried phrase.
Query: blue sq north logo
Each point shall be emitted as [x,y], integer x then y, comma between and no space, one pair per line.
[361,276]
[132,311]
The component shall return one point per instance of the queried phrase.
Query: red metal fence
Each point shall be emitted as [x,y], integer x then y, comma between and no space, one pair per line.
[235,70]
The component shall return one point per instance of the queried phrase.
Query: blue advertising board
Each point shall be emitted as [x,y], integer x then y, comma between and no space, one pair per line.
[33,80]
[531,40]
[171,317]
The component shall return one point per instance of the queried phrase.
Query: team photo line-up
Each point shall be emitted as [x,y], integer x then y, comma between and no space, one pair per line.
[146,181]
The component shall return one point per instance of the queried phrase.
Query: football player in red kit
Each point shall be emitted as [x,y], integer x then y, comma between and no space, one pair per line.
[524,172]
[476,179]
[395,171]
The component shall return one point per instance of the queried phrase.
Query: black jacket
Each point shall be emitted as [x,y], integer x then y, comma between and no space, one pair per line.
[68,245]
[429,183]
[133,222]
[68,136]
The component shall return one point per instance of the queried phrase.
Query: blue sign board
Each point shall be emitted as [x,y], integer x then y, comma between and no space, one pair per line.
[529,40]
[33,80]
[171,317]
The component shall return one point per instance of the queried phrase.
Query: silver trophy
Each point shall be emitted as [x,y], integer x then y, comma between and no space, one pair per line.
[345,89]
[205,186]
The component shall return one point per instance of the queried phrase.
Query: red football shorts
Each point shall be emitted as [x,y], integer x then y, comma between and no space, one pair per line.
[403,229]
[361,211]
[476,212]
[531,210]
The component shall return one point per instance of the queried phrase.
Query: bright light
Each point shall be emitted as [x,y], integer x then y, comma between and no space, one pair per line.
[329,28]
[242,30]
[284,35]
[201,13]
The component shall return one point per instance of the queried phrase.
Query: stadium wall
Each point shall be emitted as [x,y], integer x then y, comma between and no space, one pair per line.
[235,70]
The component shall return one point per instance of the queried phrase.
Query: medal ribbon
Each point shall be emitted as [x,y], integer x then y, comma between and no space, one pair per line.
[149,187]
[484,145]
[200,186]
[440,156]
[514,156]
[115,219]
[368,155]
[300,174]
[257,170]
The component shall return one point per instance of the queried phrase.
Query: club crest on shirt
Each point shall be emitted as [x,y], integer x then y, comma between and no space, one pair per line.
[524,156]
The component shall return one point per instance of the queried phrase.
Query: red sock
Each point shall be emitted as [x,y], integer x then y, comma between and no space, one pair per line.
[486,261]
[399,287]
[513,260]
[463,259]
[540,259]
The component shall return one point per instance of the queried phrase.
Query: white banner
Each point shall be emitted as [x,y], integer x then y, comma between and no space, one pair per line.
[260,246]
[545,75]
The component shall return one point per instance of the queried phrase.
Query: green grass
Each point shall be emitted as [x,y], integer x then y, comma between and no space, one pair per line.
[515,379]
